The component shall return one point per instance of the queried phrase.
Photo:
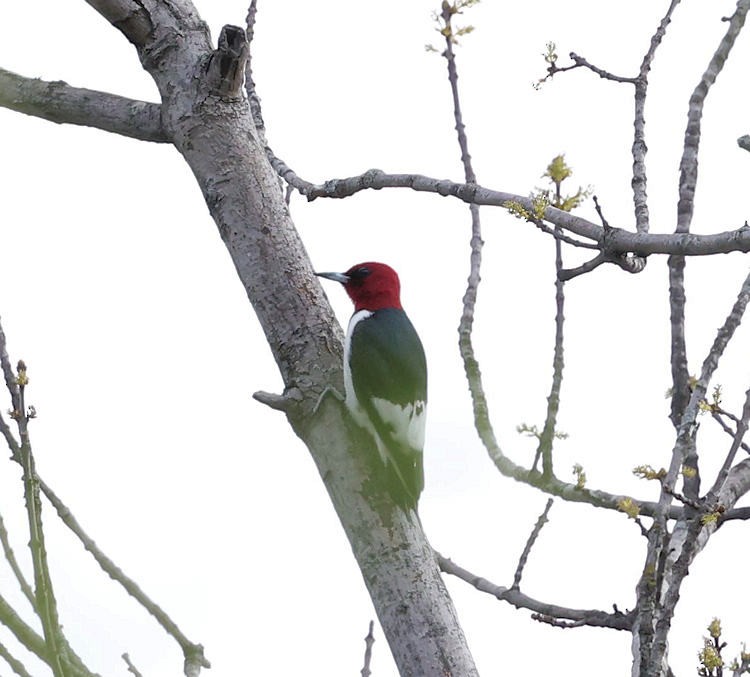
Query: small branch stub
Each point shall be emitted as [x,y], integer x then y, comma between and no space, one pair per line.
[226,68]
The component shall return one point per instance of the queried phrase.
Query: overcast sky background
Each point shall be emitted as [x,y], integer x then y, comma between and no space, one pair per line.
[143,351]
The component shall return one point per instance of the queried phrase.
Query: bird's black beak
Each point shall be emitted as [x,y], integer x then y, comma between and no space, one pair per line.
[336,277]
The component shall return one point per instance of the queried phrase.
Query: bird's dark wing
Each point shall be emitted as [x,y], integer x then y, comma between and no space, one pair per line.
[389,378]
[387,359]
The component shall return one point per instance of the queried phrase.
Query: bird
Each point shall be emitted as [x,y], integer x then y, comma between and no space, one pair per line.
[385,376]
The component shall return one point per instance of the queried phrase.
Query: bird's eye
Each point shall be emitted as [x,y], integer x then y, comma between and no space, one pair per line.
[360,273]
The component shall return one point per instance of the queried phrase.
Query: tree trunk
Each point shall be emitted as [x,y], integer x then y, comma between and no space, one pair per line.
[209,122]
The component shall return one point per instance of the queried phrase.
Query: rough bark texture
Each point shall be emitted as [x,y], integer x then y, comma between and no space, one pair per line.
[214,131]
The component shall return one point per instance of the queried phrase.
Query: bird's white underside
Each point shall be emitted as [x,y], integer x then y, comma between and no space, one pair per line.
[408,420]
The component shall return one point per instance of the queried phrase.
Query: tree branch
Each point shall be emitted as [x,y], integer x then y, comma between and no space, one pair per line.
[547,437]
[639,148]
[717,414]
[580,62]
[685,206]
[369,641]
[614,241]
[590,617]
[46,604]
[541,521]
[131,668]
[192,652]
[60,103]
[734,448]
[689,161]
[13,662]
[252,94]
[10,557]
[672,554]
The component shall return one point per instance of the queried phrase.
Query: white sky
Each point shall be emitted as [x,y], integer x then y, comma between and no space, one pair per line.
[143,351]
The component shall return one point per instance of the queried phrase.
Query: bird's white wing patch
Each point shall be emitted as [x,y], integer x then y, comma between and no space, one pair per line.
[407,422]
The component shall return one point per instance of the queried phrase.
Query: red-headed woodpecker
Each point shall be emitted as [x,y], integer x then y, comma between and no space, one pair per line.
[385,376]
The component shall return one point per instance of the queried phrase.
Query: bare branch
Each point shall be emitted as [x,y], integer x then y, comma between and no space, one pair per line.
[369,641]
[717,414]
[653,627]
[589,617]
[60,103]
[46,604]
[735,514]
[193,652]
[639,148]
[605,75]
[279,402]
[678,353]
[585,267]
[10,381]
[9,439]
[13,662]
[24,633]
[547,437]
[288,174]
[541,521]
[558,235]
[615,241]
[736,442]
[689,161]
[131,668]
[13,563]
[685,206]
[34,643]
[687,427]
[252,94]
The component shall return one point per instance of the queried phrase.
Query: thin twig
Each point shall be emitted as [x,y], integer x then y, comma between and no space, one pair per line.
[369,641]
[10,377]
[605,75]
[541,521]
[742,425]
[131,668]
[192,652]
[695,505]
[547,437]
[717,416]
[6,432]
[558,235]
[586,267]
[252,94]
[13,662]
[589,617]
[46,604]
[13,563]
[280,167]
[466,323]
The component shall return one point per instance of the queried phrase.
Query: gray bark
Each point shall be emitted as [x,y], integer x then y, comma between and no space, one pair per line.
[211,126]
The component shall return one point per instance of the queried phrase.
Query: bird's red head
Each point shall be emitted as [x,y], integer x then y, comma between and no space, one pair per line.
[370,285]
